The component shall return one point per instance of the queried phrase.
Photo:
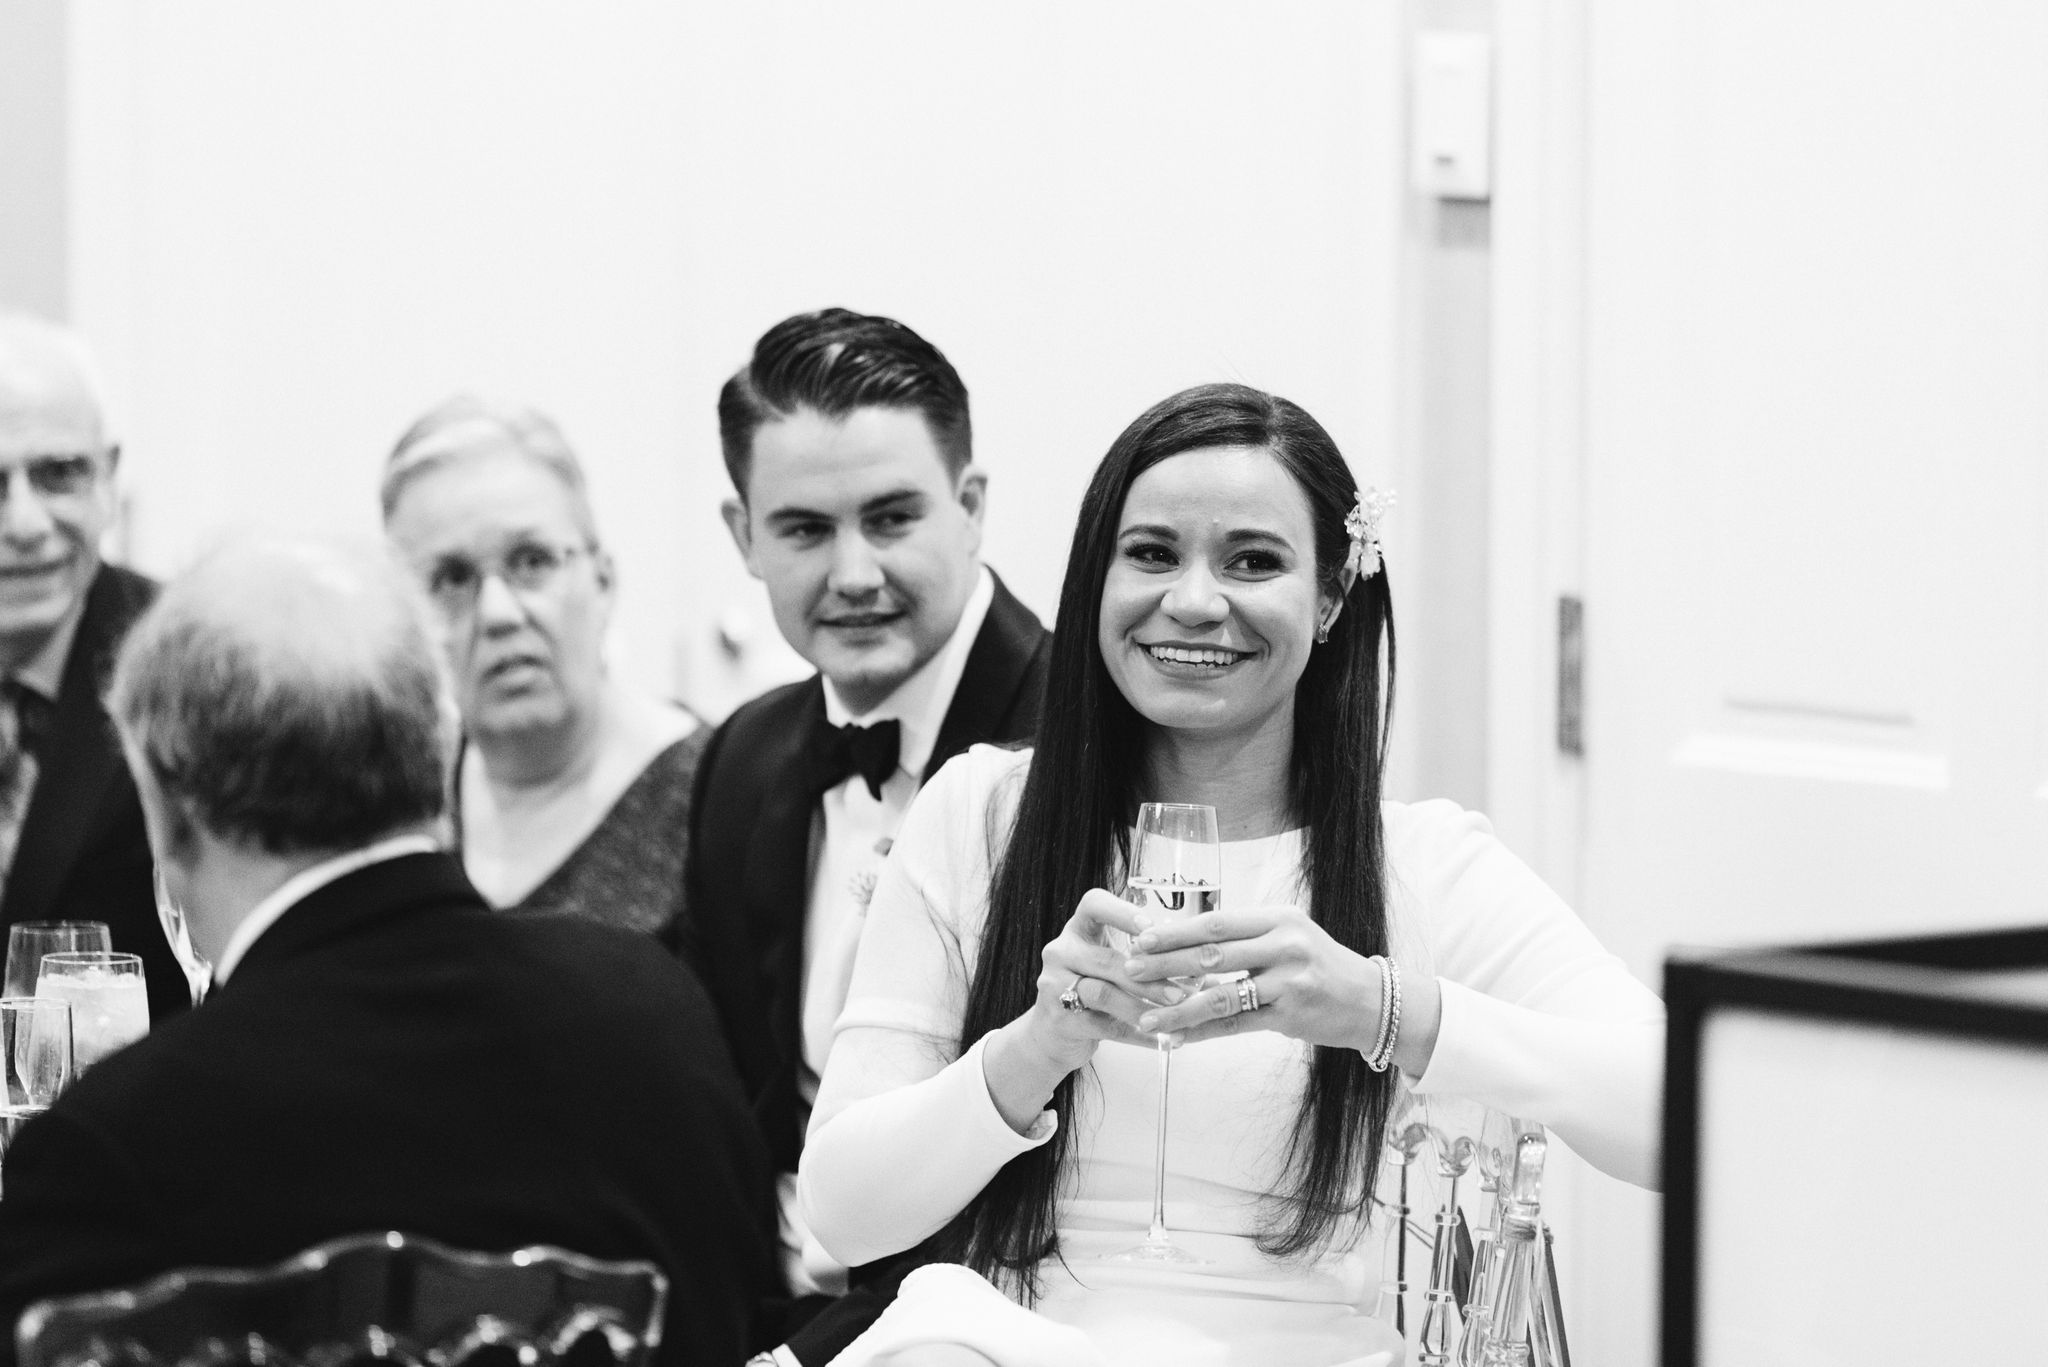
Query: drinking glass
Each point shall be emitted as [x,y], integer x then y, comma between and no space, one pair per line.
[1176,873]
[109,1005]
[35,1060]
[178,930]
[29,941]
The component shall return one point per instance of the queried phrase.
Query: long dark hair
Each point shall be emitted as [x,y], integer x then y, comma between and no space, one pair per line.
[1081,796]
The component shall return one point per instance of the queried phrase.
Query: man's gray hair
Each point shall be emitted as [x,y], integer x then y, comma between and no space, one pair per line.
[288,695]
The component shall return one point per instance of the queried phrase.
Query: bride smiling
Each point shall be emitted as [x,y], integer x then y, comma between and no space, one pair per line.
[1224,638]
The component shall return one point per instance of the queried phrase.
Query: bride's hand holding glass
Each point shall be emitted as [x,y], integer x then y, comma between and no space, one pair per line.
[1302,983]
[1084,998]
[1084,994]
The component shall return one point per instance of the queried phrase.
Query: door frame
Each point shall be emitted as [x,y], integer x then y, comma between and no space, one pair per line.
[1536,549]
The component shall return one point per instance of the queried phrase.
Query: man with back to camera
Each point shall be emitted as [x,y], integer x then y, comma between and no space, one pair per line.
[380,1050]
[71,841]
[858,505]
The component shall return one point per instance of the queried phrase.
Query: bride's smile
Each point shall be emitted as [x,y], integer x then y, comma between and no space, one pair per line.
[1210,605]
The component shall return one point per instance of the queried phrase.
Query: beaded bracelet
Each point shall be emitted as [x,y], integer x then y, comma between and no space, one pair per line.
[1382,1055]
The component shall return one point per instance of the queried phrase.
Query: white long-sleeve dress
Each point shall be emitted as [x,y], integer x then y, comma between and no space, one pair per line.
[1538,1020]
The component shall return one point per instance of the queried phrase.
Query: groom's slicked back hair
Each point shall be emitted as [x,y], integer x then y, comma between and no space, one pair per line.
[834,361]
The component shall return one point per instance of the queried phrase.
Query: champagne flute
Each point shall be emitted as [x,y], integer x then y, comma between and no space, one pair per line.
[35,1058]
[1176,873]
[109,1005]
[170,914]
[29,941]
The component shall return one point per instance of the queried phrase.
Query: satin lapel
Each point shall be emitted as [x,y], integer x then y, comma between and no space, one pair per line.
[777,873]
[995,700]
[82,760]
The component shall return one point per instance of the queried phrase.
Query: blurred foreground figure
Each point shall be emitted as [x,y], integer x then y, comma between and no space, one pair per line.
[573,791]
[380,1050]
[71,841]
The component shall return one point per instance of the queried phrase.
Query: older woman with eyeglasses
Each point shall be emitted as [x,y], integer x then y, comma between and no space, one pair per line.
[572,790]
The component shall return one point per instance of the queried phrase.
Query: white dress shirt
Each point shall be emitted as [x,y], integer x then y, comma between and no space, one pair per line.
[857,829]
[44,671]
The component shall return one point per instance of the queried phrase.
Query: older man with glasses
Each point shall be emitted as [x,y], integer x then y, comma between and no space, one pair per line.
[72,845]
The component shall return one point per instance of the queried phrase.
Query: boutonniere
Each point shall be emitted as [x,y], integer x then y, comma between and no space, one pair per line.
[862,884]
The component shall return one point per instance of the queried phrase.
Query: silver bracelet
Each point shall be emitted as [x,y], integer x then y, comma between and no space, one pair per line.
[1382,1055]
[1394,1030]
[1379,1039]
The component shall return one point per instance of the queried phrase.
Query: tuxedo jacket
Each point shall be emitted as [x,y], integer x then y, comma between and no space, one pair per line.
[747,883]
[391,1054]
[748,896]
[83,853]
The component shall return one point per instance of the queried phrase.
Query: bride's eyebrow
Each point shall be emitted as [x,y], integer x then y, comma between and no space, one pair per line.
[1164,533]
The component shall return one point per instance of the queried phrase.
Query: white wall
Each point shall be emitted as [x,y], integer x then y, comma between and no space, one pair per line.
[298,225]
[32,143]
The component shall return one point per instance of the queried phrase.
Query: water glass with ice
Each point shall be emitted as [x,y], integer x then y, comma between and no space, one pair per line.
[109,1003]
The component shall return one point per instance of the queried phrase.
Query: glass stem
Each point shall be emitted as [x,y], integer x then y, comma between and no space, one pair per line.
[1158,1234]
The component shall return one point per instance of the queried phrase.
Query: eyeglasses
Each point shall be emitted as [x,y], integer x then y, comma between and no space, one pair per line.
[57,476]
[454,581]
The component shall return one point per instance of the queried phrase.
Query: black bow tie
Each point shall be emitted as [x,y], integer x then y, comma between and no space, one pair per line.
[840,752]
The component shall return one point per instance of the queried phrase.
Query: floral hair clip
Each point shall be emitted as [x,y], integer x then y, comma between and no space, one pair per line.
[1362,525]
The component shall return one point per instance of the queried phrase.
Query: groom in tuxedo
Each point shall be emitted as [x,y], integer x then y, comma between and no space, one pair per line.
[857,503]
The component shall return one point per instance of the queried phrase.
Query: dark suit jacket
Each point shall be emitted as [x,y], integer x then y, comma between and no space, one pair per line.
[750,845]
[392,1054]
[83,854]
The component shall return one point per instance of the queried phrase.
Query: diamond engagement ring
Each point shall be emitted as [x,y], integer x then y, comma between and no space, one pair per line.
[1071,998]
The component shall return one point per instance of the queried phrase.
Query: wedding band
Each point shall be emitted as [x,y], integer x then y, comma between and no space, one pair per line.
[1071,998]
[1247,995]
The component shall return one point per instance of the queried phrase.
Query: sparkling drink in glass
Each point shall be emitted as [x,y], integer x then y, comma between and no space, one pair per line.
[109,1003]
[35,1054]
[29,941]
[1176,874]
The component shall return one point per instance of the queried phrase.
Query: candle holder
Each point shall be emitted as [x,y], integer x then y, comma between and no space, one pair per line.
[1452,1133]
[1404,1144]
